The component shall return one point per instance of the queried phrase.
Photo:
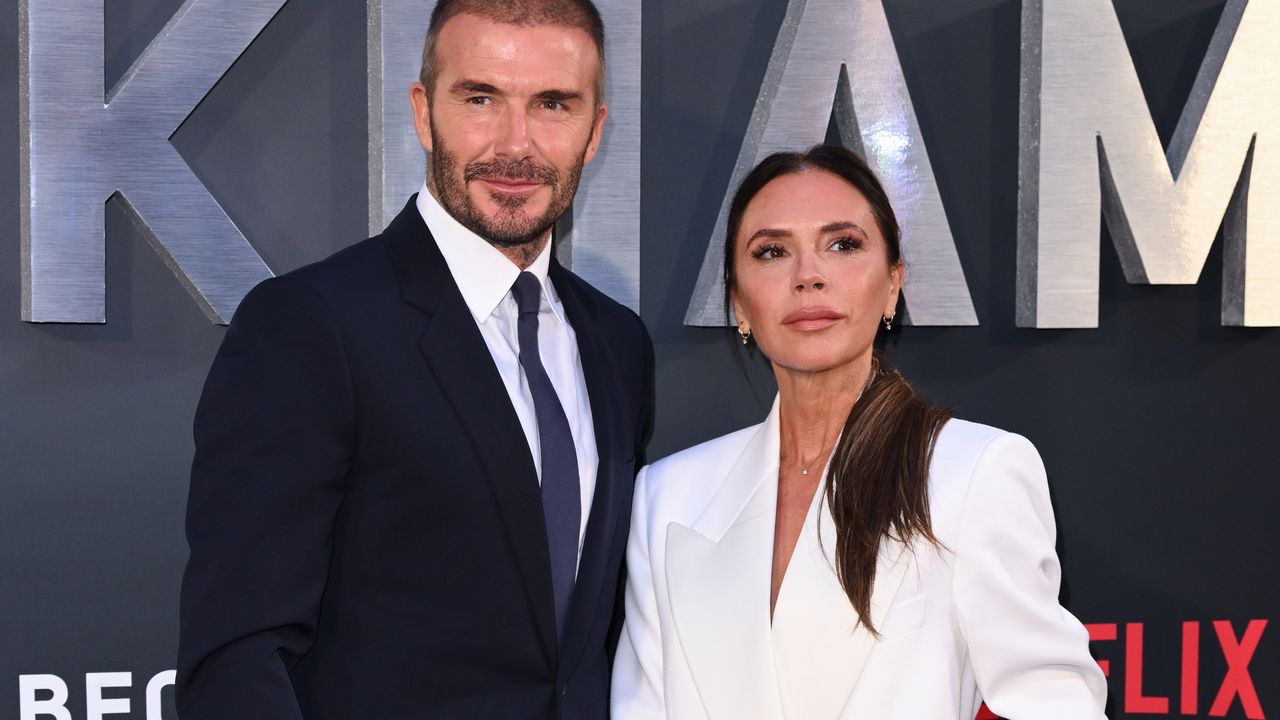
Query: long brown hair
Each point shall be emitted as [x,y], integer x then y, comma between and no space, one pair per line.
[878,484]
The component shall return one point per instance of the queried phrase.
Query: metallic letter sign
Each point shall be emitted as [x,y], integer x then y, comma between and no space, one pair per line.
[601,238]
[77,151]
[841,51]
[1088,144]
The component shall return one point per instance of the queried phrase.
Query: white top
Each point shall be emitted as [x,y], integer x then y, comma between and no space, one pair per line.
[976,620]
[485,276]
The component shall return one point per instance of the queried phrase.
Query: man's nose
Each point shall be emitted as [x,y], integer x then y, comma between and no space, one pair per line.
[513,139]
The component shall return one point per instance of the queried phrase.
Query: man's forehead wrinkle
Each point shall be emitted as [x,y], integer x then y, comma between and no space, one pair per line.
[483,80]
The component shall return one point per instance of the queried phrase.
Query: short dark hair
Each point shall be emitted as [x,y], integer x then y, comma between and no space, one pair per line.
[580,14]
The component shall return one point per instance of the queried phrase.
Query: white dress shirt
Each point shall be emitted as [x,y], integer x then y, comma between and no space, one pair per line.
[485,276]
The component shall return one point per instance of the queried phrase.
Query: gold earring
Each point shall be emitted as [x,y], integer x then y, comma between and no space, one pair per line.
[744,333]
[888,322]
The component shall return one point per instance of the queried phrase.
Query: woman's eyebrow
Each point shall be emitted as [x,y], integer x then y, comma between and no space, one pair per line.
[844,225]
[769,233]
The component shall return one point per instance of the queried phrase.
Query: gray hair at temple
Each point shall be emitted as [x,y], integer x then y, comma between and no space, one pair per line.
[581,14]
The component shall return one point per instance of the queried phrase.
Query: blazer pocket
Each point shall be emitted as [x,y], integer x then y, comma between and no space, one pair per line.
[904,616]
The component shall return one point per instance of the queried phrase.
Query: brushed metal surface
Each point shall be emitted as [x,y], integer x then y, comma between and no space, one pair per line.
[603,238]
[1089,149]
[841,52]
[600,238]
[78,149]
[397,162]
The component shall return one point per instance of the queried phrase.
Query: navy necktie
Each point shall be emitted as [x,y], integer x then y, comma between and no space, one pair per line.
[561,491]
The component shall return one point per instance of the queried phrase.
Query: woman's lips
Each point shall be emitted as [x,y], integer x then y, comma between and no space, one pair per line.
[813,318]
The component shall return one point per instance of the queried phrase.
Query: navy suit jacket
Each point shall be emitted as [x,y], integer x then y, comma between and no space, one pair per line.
[365,524]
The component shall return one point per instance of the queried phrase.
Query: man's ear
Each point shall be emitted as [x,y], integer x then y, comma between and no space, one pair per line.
[421,113]
[597,132]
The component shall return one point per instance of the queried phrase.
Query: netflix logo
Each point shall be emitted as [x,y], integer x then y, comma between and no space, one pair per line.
[1200,645]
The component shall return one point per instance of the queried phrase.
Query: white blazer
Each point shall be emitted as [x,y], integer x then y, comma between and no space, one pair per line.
[978,620]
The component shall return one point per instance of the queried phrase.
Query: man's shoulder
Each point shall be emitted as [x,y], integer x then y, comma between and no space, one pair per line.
[347,269]
[611,316]
[342,280]
[596,297]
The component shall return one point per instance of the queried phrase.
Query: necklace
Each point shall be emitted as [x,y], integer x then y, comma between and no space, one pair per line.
[804,466]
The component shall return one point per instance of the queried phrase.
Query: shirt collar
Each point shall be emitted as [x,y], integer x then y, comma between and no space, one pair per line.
[483,274]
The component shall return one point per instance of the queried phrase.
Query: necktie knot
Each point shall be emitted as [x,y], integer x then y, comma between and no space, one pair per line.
[527,293]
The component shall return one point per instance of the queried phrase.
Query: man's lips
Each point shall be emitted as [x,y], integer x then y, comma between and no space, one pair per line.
[511,185]
[811,318]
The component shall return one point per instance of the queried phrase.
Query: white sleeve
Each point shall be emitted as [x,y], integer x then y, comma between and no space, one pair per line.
[1030,656]
[637,668]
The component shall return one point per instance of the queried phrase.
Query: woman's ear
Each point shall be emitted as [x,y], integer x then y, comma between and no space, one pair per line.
[739,314]
[896,272]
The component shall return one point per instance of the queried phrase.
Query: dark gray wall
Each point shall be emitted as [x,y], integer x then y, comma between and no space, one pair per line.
[1154,427]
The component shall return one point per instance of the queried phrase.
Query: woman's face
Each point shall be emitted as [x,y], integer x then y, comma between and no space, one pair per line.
[812,269]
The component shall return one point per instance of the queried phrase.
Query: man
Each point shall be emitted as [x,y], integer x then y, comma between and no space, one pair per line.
[414,459]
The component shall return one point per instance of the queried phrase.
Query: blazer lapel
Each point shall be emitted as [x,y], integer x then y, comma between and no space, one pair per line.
[718,578]
[821,649]
[601,380]
[456,352]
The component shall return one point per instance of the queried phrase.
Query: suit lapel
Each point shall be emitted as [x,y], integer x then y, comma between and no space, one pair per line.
[820,647]
[457,355]
[718,578]
[808,662]
[601,380]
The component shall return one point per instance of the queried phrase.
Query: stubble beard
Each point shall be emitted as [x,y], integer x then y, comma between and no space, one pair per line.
[509,228]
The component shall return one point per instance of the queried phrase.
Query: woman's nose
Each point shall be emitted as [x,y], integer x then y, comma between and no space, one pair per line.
[809,276]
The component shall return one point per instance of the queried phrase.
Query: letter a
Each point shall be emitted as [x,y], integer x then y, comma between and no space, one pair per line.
[840,53]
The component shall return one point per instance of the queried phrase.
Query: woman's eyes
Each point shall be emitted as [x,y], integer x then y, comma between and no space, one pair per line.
[846,244]
[843,245]
[768,252]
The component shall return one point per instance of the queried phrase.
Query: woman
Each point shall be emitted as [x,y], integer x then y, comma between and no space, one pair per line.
[910,578]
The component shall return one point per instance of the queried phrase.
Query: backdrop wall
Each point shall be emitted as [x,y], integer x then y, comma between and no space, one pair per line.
[1157,427]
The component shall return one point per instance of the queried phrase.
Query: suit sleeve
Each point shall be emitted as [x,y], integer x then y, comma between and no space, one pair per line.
[645,427]
[273,434]
[643,430]
[1030,656]
[637,669]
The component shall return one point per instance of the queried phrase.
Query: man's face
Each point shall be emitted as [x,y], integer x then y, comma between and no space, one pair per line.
[509,124]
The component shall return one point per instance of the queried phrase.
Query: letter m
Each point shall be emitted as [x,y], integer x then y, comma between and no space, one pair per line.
[1089,149]
[79,148]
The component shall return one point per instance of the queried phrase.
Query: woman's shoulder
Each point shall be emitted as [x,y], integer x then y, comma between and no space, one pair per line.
[971,457]
[700,458]
[962,445]
[691,476]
